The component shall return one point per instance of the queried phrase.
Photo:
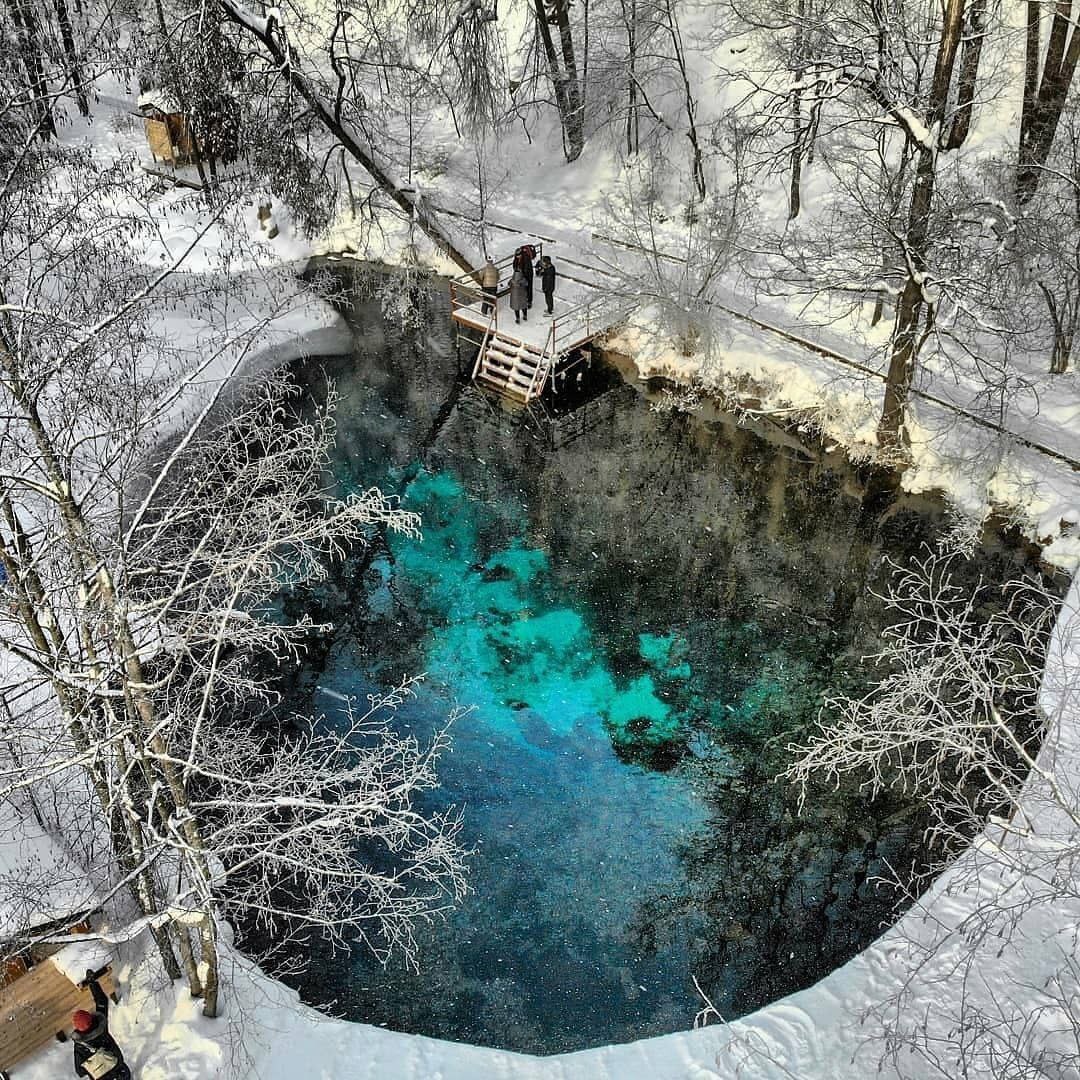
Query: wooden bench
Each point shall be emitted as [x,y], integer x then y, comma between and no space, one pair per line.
[37,1007]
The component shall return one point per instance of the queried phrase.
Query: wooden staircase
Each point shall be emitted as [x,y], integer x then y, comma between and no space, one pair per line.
[508,366]
[512,368]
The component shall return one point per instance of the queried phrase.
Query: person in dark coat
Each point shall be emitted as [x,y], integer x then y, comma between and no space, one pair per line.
[523,261]
[545,270]
[519,296]
[96,1054]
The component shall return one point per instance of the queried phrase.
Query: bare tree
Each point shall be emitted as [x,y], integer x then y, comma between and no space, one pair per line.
[893,89]
[673,258]
[668,17]
[967,718]
[141,583]
[1048,247]
[955,719]
[562,70]
[1048,76]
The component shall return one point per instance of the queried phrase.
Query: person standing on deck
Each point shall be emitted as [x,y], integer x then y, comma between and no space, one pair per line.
[489,282]
[545,270]
[523,261]
[96,1054]
[519,296]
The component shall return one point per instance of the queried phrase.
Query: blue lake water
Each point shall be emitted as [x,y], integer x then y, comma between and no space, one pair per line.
[640,609]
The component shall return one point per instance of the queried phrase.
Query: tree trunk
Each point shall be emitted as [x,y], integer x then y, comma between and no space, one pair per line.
[584,57]
[187,957]
[946,60]
[879,302]
[563,74]
[1043,108]
[633,141]
[74,68]
[263,31]
[795,187]
[1032,50]
[1064,325]
[906,339]
[208,940]
[575,128]
[901,366]
[696,161]
[969,74]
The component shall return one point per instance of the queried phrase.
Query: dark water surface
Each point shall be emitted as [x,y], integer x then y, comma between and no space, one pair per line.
[642,608]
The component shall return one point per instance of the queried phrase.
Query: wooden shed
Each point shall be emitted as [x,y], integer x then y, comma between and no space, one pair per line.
[168,132]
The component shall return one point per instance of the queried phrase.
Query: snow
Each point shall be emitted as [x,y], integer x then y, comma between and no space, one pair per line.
[39,881]
[76,959]
[916,130]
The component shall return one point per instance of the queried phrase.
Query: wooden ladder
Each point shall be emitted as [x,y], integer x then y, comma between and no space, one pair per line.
[511,368]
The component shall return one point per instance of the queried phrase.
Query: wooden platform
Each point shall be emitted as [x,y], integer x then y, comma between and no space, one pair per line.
[37,1006]
[517,360]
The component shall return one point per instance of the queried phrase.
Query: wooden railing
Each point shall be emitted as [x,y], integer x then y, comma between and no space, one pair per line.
[493,319]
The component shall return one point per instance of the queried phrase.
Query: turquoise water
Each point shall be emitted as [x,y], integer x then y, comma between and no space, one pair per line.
[640,610]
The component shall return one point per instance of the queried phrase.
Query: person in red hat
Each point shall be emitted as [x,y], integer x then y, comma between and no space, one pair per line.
[96,1054]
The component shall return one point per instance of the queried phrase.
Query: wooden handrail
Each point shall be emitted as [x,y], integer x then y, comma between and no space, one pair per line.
[484,343]
[543,367]
[507,260]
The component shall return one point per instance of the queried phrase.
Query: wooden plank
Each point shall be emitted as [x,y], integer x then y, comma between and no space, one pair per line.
[178,181]
[37,1006]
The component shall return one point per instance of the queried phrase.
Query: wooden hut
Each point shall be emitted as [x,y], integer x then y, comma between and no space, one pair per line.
[168,131]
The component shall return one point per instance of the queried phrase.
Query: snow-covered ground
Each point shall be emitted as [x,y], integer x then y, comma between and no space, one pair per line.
[39,881]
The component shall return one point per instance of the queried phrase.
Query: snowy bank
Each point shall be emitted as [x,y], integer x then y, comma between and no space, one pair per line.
[978,469]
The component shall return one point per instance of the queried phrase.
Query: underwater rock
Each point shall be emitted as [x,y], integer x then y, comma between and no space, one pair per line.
[536,730]
[642,741]
[645,730]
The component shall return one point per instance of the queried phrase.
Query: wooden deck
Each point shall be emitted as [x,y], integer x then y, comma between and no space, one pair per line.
[36,1007]
[517,360]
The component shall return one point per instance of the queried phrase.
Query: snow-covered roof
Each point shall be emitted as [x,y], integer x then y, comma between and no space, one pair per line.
[40,882]
[158,100]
